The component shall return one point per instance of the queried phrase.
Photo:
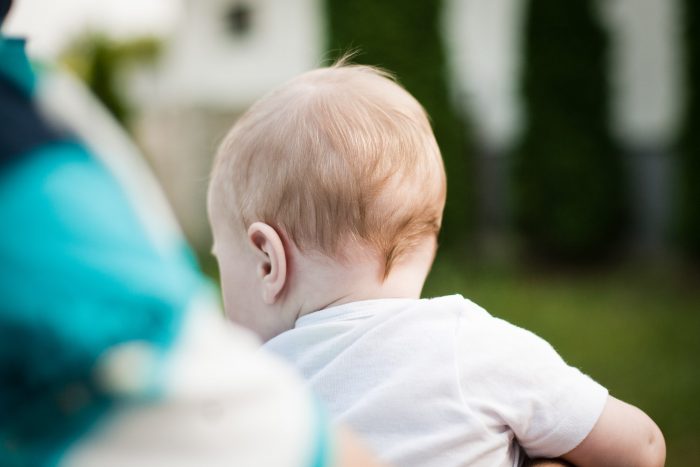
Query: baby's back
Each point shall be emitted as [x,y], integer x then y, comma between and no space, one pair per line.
[440,382]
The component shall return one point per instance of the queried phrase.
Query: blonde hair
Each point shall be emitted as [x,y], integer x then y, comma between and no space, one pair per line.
[337,154]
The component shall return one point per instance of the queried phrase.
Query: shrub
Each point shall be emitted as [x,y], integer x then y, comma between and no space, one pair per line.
[689,161]
[98,61]
[568,174]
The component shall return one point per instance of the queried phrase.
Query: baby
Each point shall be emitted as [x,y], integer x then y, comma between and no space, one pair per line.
[325,201]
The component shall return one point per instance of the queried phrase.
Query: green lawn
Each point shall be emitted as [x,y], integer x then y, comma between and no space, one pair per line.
[633,328]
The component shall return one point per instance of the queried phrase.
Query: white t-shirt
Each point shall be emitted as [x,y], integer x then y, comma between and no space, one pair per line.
[440,382]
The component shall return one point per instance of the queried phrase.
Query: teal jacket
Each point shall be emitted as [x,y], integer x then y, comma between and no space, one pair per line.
[78,275]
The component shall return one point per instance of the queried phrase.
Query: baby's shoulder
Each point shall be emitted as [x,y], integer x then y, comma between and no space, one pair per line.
[478,328]
[468,315]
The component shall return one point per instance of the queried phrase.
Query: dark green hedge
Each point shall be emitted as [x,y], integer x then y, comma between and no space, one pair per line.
[689,162]
[568,189]
[404,37]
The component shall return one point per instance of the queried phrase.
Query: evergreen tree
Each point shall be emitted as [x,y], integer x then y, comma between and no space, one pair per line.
[404,38]
[567,172]
[689,163]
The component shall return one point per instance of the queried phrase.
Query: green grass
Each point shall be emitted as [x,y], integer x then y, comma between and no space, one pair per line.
[635,329]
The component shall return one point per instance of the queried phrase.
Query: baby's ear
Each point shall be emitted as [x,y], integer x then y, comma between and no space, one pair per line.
[271,263]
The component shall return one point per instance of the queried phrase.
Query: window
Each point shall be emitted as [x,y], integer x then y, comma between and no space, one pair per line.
[239,19]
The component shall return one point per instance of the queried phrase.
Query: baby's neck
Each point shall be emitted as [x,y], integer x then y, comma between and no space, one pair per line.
[322,283]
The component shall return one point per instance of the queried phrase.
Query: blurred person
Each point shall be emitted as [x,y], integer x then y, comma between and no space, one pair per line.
[326,200]
[112,349]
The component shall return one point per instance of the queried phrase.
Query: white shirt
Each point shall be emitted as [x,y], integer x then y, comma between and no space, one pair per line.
[440,382]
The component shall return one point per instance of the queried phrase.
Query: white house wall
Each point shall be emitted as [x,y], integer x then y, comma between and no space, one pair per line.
[207,66]
[483,41]
[646,69]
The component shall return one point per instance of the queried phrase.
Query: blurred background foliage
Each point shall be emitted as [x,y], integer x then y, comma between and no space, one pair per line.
[568,189]
[100,62]
[689,161]
[569,184]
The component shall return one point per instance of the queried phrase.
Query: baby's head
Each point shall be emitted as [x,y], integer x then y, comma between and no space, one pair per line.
[333,181]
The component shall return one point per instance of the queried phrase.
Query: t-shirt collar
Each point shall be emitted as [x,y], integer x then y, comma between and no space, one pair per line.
[353,310]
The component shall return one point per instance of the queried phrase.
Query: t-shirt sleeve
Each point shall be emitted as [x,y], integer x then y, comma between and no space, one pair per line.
[519,380]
